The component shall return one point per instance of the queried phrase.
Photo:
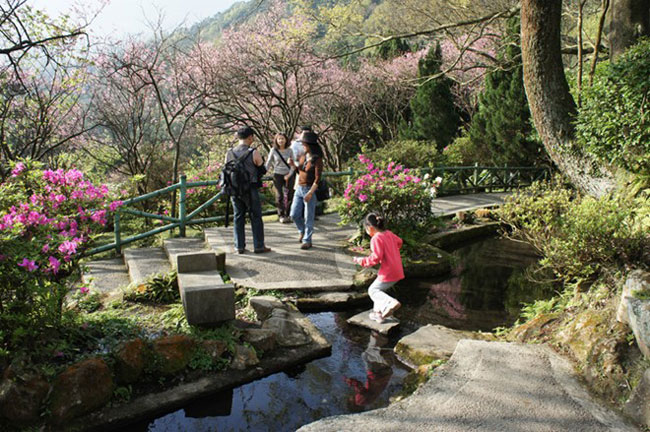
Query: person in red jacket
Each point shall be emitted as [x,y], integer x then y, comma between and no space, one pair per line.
[384,247]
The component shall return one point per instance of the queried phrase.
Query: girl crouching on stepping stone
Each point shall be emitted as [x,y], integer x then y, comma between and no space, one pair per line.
[385,247]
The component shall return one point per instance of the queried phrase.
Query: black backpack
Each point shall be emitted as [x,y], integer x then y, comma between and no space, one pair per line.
[235,178]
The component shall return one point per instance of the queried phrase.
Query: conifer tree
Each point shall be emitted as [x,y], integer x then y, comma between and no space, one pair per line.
[434,116]
[501,129]
[392,48]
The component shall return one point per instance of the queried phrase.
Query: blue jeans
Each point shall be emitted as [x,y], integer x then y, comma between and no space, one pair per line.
[240,208]
[303,213]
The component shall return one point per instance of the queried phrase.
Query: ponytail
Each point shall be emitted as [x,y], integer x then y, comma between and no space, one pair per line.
[375,220]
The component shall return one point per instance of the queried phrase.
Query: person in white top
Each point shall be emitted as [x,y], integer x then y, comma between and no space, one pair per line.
[278,161]
[297,148]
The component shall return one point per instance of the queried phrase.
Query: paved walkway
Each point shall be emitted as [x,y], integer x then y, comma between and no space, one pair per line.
[490,386]
[446,206]
[324,267]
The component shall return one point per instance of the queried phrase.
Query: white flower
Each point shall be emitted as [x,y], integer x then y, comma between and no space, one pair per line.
[438,181]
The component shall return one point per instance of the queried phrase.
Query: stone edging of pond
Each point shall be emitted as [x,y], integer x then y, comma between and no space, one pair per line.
[451,238]
[149,406]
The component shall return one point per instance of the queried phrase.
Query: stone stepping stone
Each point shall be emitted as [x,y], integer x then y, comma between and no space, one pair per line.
[362,319]
[190,245]
[145,262]
[332,300]
[432,342]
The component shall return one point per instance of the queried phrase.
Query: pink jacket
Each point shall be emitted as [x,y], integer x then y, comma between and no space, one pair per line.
[385,248]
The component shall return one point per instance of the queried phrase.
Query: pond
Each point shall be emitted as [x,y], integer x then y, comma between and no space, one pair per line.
[484,291]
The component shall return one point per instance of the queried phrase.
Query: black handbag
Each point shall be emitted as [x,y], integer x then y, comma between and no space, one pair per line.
[323,190]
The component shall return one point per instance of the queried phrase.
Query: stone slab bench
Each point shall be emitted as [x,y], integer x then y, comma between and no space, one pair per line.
[207,300]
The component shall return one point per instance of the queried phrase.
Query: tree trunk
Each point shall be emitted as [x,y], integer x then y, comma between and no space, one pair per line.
[629,20]
[551,104]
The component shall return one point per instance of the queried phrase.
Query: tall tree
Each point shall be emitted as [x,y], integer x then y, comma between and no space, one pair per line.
[551,105]
[629,20]
[501,128]
[434,115]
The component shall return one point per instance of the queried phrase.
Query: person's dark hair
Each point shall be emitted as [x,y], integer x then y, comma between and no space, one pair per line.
[275,140]
[244,132]
[305,128]
[375,220]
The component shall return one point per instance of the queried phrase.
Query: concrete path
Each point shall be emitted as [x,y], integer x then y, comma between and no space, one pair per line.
[446,206]
[490,386]
[324,267]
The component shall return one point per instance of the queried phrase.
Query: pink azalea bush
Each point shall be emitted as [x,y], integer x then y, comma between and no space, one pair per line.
[47,219]
[396,191]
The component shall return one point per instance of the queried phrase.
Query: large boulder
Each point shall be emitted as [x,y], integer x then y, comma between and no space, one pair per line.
[264,305]
[21,397]
[431,343]
[637,281]
[130,361]
[80,389]
[261,339]
[172,354]
[639,318]
[288,332]
[595,340]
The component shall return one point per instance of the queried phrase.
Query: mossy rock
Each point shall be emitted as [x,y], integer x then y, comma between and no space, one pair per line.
[451,238]
[596,341]
[536,329]
[172,354]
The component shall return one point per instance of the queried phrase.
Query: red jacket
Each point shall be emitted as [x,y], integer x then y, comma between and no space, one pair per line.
[385,248]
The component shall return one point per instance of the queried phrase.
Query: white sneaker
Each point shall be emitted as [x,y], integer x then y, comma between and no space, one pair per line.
[376,316]
[390,308]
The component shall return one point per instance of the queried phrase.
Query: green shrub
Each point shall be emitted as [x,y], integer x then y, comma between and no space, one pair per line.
[408,153]
[578,237]
[613,122]
[398,193]
[160,288]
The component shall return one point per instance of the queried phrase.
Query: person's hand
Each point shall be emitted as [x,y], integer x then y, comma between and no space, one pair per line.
[308,197]
[357,260]
[286,178]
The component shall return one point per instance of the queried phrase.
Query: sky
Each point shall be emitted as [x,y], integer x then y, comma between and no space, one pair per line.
[122,17]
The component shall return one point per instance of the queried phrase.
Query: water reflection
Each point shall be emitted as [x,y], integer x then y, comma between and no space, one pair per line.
[486,289]
[286,401]
[379,370]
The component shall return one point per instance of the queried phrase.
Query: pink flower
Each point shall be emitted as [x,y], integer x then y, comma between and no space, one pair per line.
[363,197]
[55,264]
[114,205]
[84,290]
[28,264]
[20,167]
[45,248]
[68,247]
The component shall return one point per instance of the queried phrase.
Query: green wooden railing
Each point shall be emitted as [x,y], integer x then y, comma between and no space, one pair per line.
[455,180]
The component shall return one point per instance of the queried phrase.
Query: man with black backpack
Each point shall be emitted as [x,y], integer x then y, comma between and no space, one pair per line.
[240,181]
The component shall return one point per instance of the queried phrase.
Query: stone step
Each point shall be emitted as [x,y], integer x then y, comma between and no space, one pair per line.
[107,276]
[491,386]
[190,245]
[145,262]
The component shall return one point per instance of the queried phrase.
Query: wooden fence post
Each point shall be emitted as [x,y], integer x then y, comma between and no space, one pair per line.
[181,206]
[116,230]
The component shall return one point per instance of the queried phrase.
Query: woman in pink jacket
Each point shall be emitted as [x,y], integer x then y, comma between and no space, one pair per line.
[385,247]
